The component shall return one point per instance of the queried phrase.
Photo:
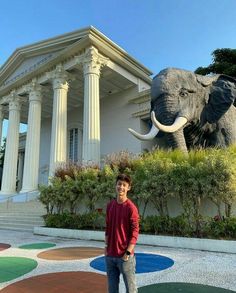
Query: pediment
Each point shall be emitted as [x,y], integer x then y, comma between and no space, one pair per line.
[27,59]
[29,65]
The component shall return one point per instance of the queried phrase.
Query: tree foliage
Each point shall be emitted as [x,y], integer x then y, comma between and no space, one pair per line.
[223,62]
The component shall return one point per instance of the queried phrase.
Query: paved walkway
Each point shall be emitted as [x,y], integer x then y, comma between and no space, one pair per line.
[49,264]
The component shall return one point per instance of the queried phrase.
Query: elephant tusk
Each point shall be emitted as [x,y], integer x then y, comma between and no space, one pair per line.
[179,122]
[152,133]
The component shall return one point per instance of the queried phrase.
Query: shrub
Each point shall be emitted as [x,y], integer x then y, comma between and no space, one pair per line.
[92,220]
[70,169]
[157,177]
[123,161]
[90,187]
[64,220]
[155,225]
[222,228]
[179,226]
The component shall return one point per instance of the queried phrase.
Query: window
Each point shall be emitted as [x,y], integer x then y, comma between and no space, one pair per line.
[73,145]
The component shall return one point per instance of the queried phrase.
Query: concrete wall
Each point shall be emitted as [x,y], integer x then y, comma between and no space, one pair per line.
[116,118]
[208,209]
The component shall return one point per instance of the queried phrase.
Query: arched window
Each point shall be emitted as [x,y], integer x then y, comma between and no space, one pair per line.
[73,144]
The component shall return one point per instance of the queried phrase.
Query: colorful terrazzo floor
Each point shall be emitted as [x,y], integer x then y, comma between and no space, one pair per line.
[39,264]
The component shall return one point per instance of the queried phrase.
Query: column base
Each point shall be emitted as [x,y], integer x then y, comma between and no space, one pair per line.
[7,193]
[27,190]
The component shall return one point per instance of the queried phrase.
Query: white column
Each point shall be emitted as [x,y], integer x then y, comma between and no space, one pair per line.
[59,121]
[20,170]
[31,164]
[11,152]
[92,63]
[1,121]
[80,144]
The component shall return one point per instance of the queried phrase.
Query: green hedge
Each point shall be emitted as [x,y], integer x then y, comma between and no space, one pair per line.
[177,226]
[158,177]
[92,220]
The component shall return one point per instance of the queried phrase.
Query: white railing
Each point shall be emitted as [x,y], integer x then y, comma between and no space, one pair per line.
[18,197]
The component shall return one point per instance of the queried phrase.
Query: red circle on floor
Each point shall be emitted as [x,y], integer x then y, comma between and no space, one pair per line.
[4,246]
[70,253]
[66,282]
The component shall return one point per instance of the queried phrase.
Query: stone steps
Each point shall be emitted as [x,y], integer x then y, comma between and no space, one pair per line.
[23,222]
[21,216]
[33,206]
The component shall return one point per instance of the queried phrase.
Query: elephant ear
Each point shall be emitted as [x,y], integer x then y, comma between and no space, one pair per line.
[206,80]
[222,96]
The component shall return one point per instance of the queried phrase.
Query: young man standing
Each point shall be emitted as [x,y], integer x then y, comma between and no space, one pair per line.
[122,228]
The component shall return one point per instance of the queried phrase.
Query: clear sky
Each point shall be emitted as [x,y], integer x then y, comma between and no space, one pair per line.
[158,33]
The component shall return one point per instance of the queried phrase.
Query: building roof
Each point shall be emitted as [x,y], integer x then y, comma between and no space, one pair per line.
[33,59]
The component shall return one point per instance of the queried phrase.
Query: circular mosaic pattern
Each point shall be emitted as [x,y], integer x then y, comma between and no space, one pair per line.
[4,246]
[70,253]
[181,287]
[66,282]
[14,267]
[145,263]
[37,245]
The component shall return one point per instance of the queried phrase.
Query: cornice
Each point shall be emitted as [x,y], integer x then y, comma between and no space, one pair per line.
[145,113]
[46,45]
[142,97]
[100,36]
[72,50]
[142,102]
[121,58]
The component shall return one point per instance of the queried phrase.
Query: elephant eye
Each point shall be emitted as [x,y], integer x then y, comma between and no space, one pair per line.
[183,92]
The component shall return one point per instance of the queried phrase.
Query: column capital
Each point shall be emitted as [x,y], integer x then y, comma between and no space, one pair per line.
[60,78]
[92,61]
[14,102]
[34,89]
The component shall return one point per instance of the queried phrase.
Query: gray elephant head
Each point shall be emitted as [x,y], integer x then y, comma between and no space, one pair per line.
[192,110]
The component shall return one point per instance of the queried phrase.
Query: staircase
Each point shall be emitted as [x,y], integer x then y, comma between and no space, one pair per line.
[21,212]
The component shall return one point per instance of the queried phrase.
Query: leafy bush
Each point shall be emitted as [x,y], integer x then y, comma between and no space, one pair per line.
[65,220]
[92,220]
[179,226]
[155,225]
[221,228]
[123,161]
[158,177]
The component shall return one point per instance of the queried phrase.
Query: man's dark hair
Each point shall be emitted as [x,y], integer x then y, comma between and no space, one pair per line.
[124,177]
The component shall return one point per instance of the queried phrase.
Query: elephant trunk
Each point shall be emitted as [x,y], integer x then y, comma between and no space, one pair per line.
[165,110]
[176,140]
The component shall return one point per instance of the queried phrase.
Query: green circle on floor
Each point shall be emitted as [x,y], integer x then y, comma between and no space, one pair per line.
[14,267]
[181,287]
[37,245]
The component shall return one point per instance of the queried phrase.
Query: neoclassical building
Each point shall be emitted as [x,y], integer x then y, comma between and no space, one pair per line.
[78,93]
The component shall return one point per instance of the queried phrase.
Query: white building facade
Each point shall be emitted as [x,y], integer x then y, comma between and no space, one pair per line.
[78,93]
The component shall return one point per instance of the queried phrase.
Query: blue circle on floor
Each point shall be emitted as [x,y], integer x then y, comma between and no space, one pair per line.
[145,263]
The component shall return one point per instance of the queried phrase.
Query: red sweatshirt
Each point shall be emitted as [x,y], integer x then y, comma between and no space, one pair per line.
[122,227]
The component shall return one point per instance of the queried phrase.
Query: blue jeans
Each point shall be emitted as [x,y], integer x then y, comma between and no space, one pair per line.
[116,266]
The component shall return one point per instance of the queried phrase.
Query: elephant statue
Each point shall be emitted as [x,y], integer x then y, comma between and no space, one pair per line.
[192,110]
